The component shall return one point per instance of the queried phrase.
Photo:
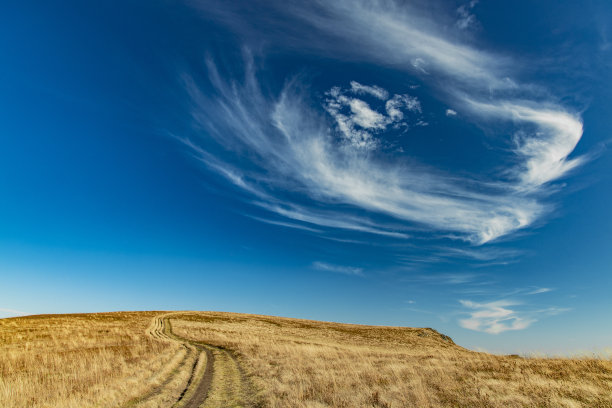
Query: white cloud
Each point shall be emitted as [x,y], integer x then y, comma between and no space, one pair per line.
[290,148]
[450,112]
[286,224]
[538,291]
[484,254]
[419,64]
[503,315]
[395,106]
[466,18]
[332,219]
[544,151]
[493,317]
[364,116]
[400,34]
[374,90]
[358,122]
[444,278]
[346,270]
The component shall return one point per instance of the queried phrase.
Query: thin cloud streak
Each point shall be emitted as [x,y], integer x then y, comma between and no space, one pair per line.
[444,279]
[345,270]
[399,34]
[539,290]
[286,224]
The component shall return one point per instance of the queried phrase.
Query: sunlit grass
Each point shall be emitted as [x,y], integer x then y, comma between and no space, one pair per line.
[109,360]
[78,361]
[300,363]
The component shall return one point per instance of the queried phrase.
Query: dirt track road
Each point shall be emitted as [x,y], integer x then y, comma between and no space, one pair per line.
[214,380]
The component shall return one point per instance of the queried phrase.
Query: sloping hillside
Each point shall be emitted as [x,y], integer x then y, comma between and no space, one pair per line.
[213,359]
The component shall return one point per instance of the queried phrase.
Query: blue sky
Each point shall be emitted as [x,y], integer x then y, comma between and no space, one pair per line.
[436,164]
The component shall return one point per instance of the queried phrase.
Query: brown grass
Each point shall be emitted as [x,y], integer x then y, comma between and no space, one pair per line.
[108,360]
[78,361]
[299,363]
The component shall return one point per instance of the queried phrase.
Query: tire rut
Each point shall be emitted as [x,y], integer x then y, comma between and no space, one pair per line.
[221,383]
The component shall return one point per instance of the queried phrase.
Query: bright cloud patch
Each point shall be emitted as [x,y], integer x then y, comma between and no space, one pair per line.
[374,91]
[504,315]
[493,317]
[358,122]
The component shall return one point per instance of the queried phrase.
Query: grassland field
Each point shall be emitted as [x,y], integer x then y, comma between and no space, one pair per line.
[214,359]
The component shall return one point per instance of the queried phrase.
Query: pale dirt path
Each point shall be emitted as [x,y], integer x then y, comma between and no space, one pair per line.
[220,384]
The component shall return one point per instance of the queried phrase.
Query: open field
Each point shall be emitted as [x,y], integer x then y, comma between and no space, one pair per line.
[78,360]
[210,359]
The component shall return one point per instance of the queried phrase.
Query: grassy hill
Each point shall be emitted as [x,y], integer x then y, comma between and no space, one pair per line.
[212,359]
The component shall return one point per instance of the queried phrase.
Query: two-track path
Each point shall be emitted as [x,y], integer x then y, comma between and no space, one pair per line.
[215,378]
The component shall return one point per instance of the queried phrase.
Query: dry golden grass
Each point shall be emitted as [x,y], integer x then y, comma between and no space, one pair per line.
[299,363]
[113,360]
[78,361]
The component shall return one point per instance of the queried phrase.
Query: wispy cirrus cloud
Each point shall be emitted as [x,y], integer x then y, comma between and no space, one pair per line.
[372,90]
[498,316]
[539,290]
[286,224]
[466,18]
[493,317]
[279,148]
[543,153]
[342,269]
[547,133]
[291,150]
[444,279]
